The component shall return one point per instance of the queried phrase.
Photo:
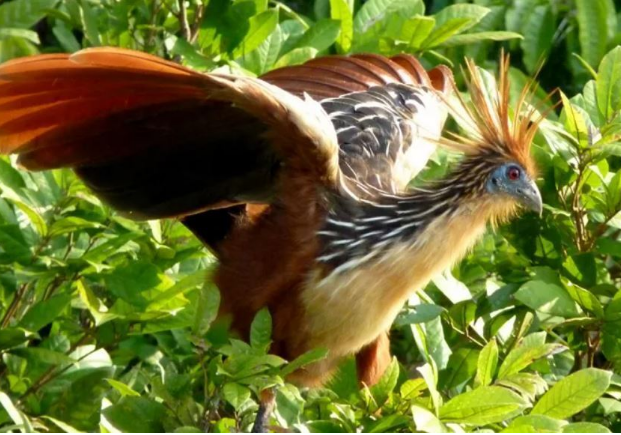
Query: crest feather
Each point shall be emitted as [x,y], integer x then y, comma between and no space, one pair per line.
[489,123]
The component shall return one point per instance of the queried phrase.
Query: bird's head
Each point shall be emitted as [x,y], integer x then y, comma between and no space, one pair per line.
[497,141]
[513,181]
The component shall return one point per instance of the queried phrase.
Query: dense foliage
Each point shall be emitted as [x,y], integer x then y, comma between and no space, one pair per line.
[106,324]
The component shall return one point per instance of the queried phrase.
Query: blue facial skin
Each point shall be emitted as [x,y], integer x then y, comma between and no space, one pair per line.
[522,189]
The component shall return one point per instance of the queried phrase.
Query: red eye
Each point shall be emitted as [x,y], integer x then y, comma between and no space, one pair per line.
[513,173]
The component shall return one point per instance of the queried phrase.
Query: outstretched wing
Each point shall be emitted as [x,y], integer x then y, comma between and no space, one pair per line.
[388,114]
[154,139]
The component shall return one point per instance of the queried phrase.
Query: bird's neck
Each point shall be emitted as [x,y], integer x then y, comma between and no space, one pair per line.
[448,214]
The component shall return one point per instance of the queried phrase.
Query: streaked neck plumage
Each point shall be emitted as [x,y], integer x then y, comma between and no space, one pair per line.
[355,233]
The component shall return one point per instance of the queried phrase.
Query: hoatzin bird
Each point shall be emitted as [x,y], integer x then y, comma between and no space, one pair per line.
[297,181]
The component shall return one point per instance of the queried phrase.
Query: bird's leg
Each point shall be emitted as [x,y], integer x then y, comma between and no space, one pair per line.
[267,400]
[372,360]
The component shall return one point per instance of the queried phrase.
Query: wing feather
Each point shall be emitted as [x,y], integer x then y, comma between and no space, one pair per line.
[100,108]
[383,142]
[155,139]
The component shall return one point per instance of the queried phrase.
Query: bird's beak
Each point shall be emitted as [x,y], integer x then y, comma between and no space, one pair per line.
[529,197]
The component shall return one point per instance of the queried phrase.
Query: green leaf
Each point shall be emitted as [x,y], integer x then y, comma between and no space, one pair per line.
[446,30]
[9,176]
[207,309]
[430,340]
[67,428]
[260,27]
[472,12]
[321,35]
[412,388]
[325,426]
[13,246]
[455,290]
[582,267]
[10,337]
[303,360]
[71,224]
[125,390]
[292,31]
[585,299]
[136,414]
[15,414]
[426,421]
[420,313]
[387,424]
[572,394]
[12,47]
[547,298]
[538,36]
[236,394]
[531,348]
[487,363]
[592,29]
[387,383]
[461,367]
[540,424]
[374,11]
[35,218]
[110,247]
[477,37]
[98,309]
[40,354]
[180,319]
[224,425]
[341,11]
[191,56]
[20,33]
[24,13]
[321,8]
[585,427]
[429,373]
[587,67]
[289,404]
[263,58]
[261,330]
[89,23]
[132,282]
[79,404]
[296,57]
[183,286]
[608,84]
[611,340]
[44,312]
[416,30]
[484,405]
[529,385]
[576,122]
[65,36]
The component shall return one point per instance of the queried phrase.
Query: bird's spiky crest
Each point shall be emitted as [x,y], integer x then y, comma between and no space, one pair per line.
[490,124]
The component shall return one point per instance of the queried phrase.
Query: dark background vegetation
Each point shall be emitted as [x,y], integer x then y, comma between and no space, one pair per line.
[106,324]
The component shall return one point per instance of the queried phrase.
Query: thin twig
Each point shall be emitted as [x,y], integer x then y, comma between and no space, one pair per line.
[578,212]
[183,20]
[10,311]
[198,19]
[155,9]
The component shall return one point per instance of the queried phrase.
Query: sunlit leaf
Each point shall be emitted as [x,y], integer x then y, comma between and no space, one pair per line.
[487,363]
[483,405]
[572,394]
